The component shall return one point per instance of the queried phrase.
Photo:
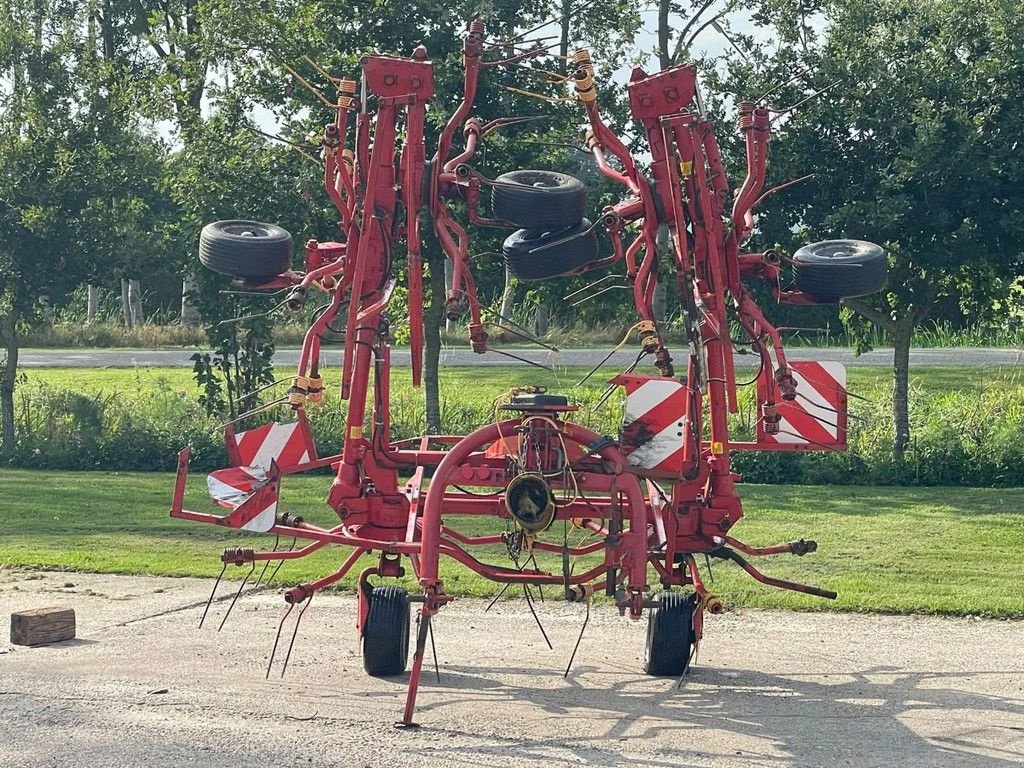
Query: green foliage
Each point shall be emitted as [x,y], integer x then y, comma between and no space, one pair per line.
[967,423]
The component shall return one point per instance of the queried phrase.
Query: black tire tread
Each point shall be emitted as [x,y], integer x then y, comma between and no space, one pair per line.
[827,276]
[669,635]
[386,634]
[248,258]
[561,202]
[526,263]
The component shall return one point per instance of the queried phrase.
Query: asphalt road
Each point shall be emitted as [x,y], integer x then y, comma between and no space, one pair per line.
[131,358]
[141,686]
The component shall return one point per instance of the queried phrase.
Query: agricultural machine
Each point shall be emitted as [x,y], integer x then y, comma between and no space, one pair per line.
[652,498]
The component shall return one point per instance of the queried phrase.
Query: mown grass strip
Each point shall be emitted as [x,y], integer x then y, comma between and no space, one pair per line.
[900,550]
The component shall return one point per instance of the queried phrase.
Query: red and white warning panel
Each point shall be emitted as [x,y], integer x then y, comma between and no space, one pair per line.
[816,419]
[247,487]
[249,492]
[288,444]
[652,425]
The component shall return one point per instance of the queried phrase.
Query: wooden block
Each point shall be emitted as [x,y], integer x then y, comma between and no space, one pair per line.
[41,626]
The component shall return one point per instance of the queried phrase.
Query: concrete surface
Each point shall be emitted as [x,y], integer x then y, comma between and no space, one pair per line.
[141,686]
[131,358]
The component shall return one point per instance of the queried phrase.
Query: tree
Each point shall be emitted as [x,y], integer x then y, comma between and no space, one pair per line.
[72,195]
[911,147]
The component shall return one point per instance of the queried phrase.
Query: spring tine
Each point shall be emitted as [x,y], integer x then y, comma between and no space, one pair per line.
[254,411]
[525,336]
[280,563]
[212,593]
[590,285]
[521,359]
[500,593]
[277,637]
[579,640]
[529,602]
[266,563]
[536,567]
[611,388]
[298,620]
[595,369]
[240,398]
[595,295]
[235,598]
[433,649]
[243,318]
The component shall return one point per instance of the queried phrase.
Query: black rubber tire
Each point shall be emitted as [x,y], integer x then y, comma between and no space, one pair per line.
[386,634]
[840,269]
[543,200]
[669,635]
[527,263]
[245,249]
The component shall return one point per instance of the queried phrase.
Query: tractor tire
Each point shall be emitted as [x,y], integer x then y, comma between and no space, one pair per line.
[840,269]
[526,262]
[386,634]
[669,635]
[245,249]
[543,200]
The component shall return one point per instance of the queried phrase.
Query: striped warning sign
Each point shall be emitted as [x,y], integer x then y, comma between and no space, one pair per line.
[817,417]
[286,444]
[246,491]
[653,422]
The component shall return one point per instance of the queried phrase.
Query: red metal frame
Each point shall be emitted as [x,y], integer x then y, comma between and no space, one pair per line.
[638,524]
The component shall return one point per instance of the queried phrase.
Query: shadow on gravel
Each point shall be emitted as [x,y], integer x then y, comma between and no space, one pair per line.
[853,717]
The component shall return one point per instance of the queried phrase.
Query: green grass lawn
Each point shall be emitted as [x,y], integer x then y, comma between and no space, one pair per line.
[492,381]
[934,550]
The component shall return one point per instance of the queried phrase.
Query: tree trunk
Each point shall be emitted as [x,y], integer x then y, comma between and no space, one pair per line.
[902,335]
[508,298]
[660,302]
[190,316]
[135,302]
[126,307]
[449,276]
[664,57]
[92,303]
[433,317]
[541,319]
[8,374]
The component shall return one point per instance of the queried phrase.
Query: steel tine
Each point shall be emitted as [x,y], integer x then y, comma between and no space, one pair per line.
[595,295]
[529,602]
[590,285]
[266,563]
[521,359]
[579,640]
[280,563]
[433,648]
[235,598]
[291,644]
[524,336]
[497,596]
[216,583]
[595,369]
[277,637]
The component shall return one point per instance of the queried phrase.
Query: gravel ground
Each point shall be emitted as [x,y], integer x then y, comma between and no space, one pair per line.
[141,686]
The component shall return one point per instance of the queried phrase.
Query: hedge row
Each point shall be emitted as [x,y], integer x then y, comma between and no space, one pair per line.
[968,438]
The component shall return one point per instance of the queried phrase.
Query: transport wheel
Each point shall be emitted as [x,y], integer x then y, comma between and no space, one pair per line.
[669,635]
[386,634]
[840,269]
[246,249]
[526,262]
[543,200]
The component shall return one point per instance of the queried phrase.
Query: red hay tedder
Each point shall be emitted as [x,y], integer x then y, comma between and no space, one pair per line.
[655,497]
